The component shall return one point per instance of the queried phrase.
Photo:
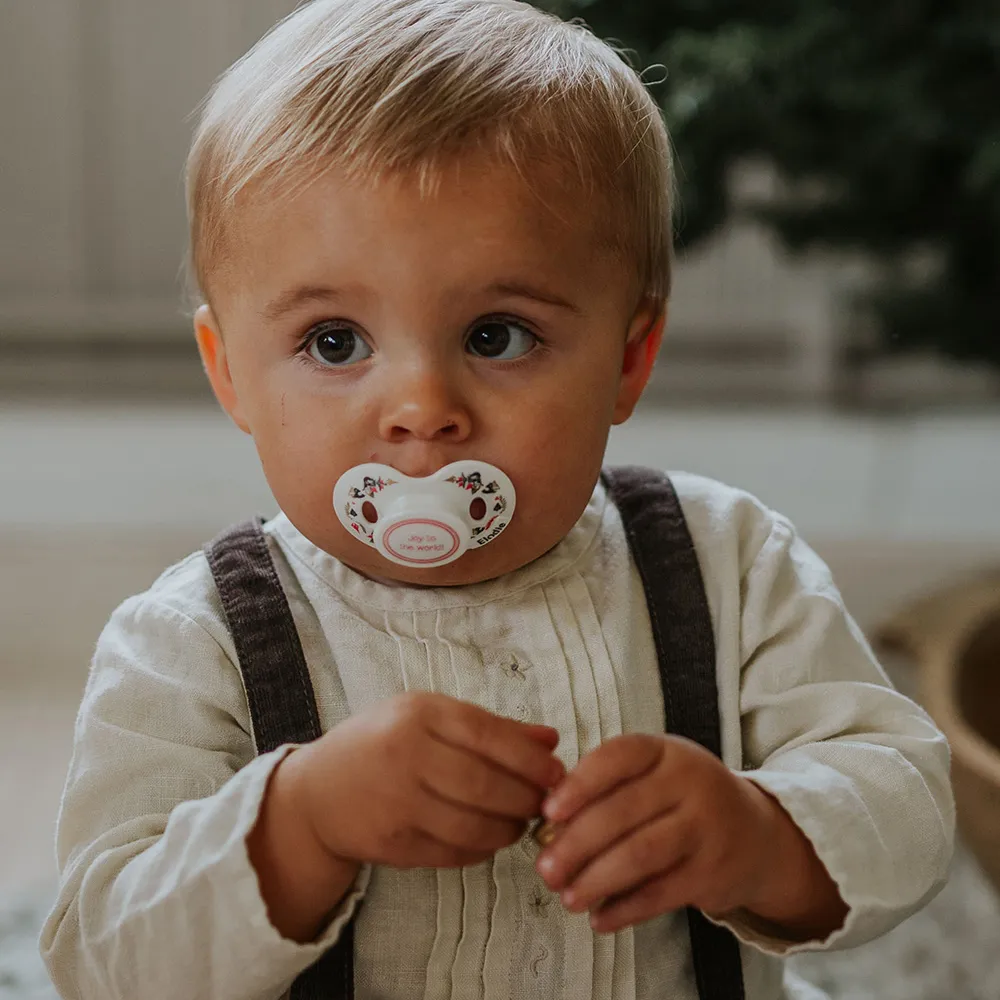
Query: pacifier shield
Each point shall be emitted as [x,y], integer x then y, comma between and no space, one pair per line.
[428,521]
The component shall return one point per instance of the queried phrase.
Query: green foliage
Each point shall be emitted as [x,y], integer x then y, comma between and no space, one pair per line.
[890,109]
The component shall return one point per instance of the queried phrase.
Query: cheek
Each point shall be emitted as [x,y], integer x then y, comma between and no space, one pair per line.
[253,377]
[557,451]
[574,415]
[299,443]
[282,415]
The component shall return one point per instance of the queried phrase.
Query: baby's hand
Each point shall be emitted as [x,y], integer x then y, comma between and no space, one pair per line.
[648,824]
[424,780]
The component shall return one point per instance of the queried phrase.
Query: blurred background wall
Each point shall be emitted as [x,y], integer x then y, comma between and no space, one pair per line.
[95,120]
[114,461]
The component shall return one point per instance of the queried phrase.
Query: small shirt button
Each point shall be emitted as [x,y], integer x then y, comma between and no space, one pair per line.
[539,903]
[515,669]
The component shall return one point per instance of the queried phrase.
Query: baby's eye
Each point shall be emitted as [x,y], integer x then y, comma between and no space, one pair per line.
[501,340]
[337,346]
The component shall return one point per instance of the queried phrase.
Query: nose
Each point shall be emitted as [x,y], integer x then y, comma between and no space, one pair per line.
[424,406]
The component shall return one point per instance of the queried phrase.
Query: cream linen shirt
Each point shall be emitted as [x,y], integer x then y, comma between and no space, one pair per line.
[158,898]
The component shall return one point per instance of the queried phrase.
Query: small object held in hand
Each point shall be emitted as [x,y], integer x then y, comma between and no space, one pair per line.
[545,833]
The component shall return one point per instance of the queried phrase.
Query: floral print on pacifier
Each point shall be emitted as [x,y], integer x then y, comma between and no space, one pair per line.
[425,522]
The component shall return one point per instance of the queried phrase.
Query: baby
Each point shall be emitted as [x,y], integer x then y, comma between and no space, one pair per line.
[432,244]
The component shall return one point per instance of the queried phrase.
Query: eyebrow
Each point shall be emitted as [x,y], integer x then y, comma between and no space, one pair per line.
[296,297]
[525,291]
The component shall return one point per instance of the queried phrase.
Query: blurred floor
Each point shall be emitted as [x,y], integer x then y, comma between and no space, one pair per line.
[95,502]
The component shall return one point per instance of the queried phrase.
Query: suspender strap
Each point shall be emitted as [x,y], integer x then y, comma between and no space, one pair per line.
[279,693]
[282,704]
[685,648]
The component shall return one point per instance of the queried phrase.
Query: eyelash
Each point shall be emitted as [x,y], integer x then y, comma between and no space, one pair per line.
[302,351]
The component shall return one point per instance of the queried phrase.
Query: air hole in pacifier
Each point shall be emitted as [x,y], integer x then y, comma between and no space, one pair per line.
[477,509]
[369,512]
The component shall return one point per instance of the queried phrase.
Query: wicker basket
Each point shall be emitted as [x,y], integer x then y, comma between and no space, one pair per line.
[955,638]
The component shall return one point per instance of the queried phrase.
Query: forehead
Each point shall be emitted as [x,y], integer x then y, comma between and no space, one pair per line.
[479,218]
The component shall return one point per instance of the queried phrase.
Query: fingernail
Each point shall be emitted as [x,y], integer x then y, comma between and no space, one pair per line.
[551,807]
[546,865]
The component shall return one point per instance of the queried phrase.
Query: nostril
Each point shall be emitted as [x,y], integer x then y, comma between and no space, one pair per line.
[477,509]
[400,432]
[369,512]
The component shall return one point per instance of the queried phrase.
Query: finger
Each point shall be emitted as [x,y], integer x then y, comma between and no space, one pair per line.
[597,827]
[657,847]
[427,852]
[544,734]
[465,829]
[466,779]
[621,759]
[660,894]
[504,741]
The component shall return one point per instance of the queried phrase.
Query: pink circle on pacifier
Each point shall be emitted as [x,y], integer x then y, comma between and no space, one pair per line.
[420,542]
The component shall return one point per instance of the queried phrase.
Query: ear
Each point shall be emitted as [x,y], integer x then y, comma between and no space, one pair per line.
[641,347]
[212,349]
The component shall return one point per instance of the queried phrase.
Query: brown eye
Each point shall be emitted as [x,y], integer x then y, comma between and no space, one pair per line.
[337,346]
[501,340]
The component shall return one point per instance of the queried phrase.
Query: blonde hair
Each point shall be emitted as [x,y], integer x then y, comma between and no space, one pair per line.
[377,87]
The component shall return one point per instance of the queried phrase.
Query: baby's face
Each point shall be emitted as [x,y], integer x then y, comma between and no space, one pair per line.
[366,324]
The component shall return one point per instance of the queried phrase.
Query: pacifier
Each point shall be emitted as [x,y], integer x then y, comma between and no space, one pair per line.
[429,521]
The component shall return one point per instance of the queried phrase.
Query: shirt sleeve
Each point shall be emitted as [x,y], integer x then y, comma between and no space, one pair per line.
[158,898]
[861,769]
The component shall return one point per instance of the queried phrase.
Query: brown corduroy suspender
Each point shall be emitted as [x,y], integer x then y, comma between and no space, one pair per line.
[279,694]
[283,707]
[664,553]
